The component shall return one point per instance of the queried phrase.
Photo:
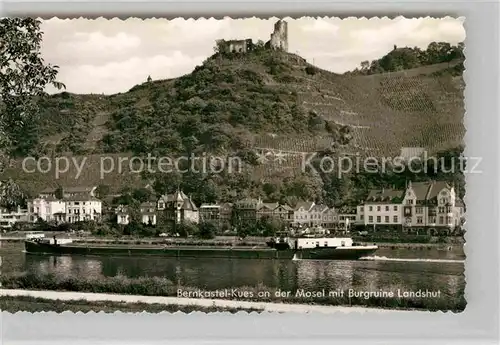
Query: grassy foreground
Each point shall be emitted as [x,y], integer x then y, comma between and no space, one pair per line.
[155,286]
[31,304]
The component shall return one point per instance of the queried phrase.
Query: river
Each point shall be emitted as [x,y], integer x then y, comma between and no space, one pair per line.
[388,269]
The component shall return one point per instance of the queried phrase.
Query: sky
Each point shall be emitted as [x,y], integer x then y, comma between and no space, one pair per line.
[104,56]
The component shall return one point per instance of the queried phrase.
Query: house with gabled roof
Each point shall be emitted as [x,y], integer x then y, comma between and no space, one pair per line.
[301,213]
[178,207]
[432,207]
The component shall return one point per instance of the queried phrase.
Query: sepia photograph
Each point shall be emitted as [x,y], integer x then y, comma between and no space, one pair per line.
[226,165]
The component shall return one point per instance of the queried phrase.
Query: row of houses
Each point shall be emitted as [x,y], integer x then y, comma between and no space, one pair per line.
[423,205]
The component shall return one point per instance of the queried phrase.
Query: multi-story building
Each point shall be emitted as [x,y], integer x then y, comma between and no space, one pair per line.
[77,204]
[178,208]
[148,213]
[246,209]
[346,216]
[316,214]
[10,217]
[81,207]
[266,209]
[122,215]
[47,208]
[284,213]
[219,214]
[301,217]
[382,209]
[432,207]
[329,218]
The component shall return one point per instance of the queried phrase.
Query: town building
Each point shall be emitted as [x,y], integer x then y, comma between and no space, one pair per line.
[219,214]
[47,208]
[246,209]
[329,218]
[178,208]
[431,207]
[10,217]
[284,213]
[148,213]
[301,217]
[77,204]
[382,209]
[83,207]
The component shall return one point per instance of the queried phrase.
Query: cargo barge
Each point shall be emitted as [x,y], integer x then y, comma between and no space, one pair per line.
[280,248]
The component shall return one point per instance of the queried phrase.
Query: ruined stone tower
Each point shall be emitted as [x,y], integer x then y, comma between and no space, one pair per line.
[279,38]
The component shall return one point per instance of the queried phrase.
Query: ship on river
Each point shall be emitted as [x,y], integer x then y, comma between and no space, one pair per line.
[277,248]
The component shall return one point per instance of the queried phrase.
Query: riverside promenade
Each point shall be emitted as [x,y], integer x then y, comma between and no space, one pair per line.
[264,306]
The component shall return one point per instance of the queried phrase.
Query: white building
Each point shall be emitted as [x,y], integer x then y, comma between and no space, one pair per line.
[9,218]
[301,215]
[432,205]
[77,204]
[83,208]
[47,208]
[382,208]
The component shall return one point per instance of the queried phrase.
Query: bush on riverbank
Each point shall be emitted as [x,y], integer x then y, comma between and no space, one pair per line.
[154,286]
[32,305]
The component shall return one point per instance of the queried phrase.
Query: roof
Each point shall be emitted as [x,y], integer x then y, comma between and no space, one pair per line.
[319,208]
[307,205]
[189,205]
[81,197]
[286,207]
[268,205]
[384,195]
[177,196]
[428,190]
[78,189]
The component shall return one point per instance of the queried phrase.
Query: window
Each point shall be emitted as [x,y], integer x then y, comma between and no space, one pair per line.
[387,219]
[441,209]
[395,219]
[361,217]
[378,219]
[387,208]
[378,208]
[395,208]
[409,202]
[420,220]
[419,210]
[370,219]
[370,208]
[432,220]
[441,220]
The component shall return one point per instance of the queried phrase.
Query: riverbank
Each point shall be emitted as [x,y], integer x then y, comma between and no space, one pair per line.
[12,303]
[62,301]
[161,287]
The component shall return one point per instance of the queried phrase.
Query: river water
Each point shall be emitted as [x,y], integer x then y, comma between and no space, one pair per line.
[411,269]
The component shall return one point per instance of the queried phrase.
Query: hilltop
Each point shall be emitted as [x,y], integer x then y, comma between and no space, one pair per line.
[239,104]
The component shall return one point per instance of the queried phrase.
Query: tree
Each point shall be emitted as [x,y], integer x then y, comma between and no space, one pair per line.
[24,75]
[207,230]
[103,191]
[59,193]
[11,195]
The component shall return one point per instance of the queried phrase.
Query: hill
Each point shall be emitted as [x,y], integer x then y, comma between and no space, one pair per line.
[241,104]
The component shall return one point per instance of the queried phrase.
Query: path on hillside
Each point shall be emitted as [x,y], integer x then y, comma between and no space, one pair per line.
[270,307]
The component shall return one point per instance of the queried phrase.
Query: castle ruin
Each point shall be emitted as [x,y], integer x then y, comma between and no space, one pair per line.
[278,41]
[279,38]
